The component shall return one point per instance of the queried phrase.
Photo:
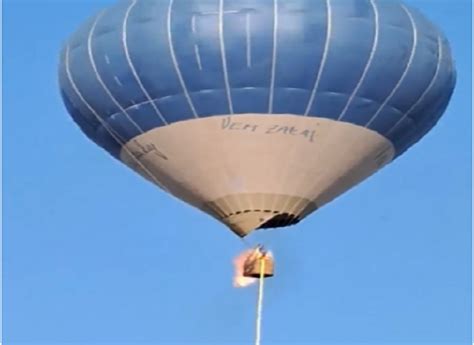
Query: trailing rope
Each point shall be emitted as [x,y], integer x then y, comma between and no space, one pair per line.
[260,301]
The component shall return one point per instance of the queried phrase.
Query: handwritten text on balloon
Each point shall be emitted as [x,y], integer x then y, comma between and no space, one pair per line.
[271,129]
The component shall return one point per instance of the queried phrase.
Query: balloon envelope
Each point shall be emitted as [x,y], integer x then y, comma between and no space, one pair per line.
[257,112]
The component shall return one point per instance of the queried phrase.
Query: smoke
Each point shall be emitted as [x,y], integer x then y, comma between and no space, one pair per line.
[239,280]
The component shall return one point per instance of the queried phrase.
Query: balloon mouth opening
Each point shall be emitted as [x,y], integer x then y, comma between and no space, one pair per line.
[245,213]
[280,220]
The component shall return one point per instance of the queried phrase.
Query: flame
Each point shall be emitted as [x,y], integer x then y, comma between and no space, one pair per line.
[239,280]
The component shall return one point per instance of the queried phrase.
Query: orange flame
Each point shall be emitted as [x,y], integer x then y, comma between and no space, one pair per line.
[239,280]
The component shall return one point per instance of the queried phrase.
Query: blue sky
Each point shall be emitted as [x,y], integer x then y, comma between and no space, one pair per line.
[387,263]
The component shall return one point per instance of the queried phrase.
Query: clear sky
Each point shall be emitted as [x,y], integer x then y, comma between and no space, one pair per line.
[94,254]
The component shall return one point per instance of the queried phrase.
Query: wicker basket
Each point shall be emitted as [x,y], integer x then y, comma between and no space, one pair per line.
[252,265]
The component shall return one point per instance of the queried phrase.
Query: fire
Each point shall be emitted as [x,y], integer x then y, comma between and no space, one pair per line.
[241,260]
[239,280]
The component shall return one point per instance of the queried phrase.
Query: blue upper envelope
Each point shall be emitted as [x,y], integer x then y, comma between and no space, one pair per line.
[148,63]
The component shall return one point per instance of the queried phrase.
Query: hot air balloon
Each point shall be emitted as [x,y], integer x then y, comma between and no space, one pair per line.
[257,112]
